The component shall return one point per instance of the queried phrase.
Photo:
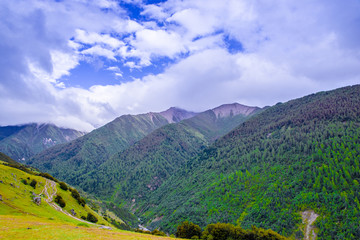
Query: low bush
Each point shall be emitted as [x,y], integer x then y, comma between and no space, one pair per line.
[33,183]
[48,176]
[158,232]
[91,218]
[63,186]
[75,194]
[188,230]
[59,200]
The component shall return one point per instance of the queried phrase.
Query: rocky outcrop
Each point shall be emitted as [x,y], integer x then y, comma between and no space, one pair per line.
[73,212]
[37,200]
[174,115]
[228,110]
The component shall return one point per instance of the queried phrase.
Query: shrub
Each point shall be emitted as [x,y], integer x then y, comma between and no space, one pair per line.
[63,186]
[83,217]
[188,230]
[24,181]
[142,231]
[48,176]
[33,183]
[220,231]
[82,202]
[259,233]
[91,218]
[75,194]
[59,200]
[158,232]
[225,231]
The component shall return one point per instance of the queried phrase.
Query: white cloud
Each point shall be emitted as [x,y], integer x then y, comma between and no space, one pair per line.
[195,22]
[158,42]
[113,68]
[116,70]
[99,51]
[155,12]
[95,38]
[291,48]
[107,4]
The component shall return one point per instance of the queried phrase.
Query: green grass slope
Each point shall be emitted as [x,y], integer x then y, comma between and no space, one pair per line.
[296,156]
[22,218]
[22,142]
[17,197]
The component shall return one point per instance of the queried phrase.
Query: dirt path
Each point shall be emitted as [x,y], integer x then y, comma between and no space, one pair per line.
[309,218]
[50,191]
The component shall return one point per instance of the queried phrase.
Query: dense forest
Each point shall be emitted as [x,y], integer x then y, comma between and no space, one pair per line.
[143,167]
[303,154]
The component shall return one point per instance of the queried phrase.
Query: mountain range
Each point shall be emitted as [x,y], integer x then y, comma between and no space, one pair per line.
[268,168]
[174,133]
[23,141]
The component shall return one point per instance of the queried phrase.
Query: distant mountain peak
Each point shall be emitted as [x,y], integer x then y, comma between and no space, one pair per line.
[233,109]
[175,114]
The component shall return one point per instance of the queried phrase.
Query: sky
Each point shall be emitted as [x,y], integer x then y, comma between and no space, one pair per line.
[81,63]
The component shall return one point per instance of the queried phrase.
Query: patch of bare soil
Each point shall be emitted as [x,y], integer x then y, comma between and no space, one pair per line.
[309,218]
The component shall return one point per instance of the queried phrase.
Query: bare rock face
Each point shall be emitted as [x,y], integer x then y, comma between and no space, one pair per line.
[228,110]
[174,115]
[37,200]
[73,212]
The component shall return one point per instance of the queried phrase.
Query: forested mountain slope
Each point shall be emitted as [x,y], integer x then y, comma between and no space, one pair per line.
[131,175]
[71,160]
[22,142]
[294,156]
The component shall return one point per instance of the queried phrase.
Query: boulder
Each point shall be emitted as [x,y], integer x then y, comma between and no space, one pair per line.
[37,200]
[1,197]
[73,212]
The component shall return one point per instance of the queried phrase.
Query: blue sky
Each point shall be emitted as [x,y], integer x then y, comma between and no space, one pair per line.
[80,64]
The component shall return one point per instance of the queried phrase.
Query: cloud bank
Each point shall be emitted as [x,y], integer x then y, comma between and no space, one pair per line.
[208,52]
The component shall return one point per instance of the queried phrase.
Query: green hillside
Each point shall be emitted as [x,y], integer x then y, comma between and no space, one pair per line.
[131,175]
[22,218]
[71,160]
[22,142]
[7,159]
[18,190]
[156,156]
[296,156]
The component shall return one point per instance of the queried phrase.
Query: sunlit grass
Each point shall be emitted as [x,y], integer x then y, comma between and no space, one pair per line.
[30,227]
[21,218]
